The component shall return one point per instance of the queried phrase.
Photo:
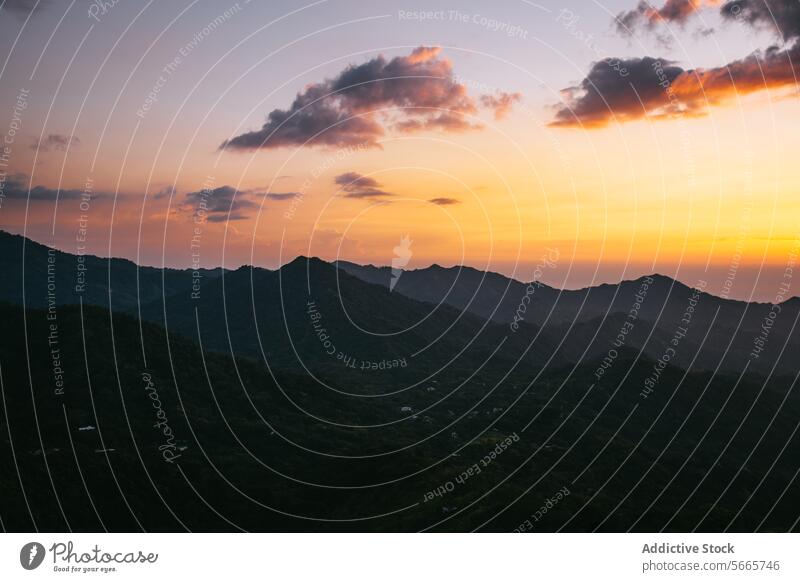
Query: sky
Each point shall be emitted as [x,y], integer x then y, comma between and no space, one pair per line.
[623,138]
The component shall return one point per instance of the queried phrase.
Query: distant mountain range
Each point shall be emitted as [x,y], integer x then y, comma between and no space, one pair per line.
[237,307]
[116,283]
[720,333]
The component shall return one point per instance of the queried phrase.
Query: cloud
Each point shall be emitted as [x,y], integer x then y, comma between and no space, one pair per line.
[673,11]
[705,32]
[501,102]
[228,203]
[363,102]
[220,204]
[15,188]
[658,88]
[355,185]
[281,196]
[443,121]
[605,94]
[783,17]
[166,192]
[780,15]
[55,141]
[25,7]
[444,201]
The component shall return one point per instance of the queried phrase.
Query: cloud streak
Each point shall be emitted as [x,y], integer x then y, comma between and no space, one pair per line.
[25,7]
[15,188]
[444,201]
[282,196]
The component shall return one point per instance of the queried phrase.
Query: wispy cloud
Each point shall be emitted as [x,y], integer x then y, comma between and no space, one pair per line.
[166,192]
[55,141]
[648,16]
[500,102]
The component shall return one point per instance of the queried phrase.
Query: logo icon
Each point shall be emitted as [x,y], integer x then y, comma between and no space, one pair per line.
[402,254]
[31,555]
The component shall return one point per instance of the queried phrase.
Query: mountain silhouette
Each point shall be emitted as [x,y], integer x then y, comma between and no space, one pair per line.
[720,333]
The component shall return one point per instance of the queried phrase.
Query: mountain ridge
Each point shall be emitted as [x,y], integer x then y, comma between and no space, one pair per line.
[345,264]
[566,325]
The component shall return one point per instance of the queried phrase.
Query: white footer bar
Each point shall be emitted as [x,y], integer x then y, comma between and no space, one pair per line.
[400,557]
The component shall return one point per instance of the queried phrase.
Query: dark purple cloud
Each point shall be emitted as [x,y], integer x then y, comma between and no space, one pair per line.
[281,196]
[355,185]
[605,95]
[363,102]
[781,16]
[16,188]
[219,204]
[228,203]
[658,88]
[25,7]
